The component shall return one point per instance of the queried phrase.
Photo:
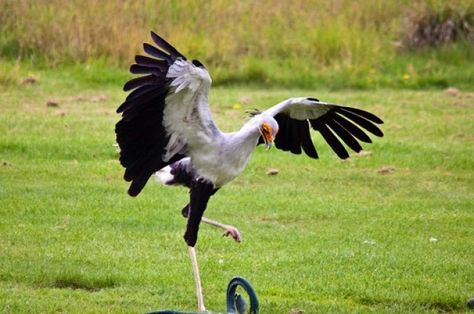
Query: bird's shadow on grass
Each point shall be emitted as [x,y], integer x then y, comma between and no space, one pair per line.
[80,282]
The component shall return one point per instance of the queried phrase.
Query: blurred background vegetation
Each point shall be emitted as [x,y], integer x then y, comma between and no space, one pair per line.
[305,43]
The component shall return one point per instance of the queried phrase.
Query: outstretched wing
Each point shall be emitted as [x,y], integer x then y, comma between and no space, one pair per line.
[168,100]
[337,124]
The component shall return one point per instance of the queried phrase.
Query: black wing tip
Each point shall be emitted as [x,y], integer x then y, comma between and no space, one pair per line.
[381,134]
[150,49]
[136,187]
[360,112]
[137,69]
[147,46]
[341,154]
[379,121]
[362,118]
[166,46]
[157,38]
[121,108]
[127,86]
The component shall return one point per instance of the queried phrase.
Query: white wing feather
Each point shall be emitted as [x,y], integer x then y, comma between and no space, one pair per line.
[186,116]
[300,108]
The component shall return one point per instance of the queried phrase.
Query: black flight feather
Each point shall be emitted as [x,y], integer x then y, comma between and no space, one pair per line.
[305,139]
[163,44]
[157,53]
[351,128]
[141,69]
[283,137]
[295,146]
[141,81]
[150,62]
[142,97]
[366,124]
[140,92]
[330,138]
[368,115]
[344,135]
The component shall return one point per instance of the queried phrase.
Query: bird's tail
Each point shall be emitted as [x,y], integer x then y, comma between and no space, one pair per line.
[177,173]
[164,176]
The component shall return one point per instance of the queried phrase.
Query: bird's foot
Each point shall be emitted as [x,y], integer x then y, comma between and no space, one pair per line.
[233,232]
[228,230]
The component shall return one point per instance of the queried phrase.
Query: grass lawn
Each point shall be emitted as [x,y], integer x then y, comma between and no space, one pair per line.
[390,231]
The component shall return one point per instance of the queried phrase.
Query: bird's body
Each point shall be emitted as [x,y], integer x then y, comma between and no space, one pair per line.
[167,130]
[220,171]
[216,156]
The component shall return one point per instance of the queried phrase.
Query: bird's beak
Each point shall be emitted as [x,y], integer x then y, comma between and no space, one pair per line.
[269,142]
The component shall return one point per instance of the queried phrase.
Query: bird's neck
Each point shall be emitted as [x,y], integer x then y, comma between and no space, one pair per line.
[249,132]
[243,142]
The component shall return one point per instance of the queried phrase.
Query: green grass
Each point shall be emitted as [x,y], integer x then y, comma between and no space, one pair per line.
[321,236]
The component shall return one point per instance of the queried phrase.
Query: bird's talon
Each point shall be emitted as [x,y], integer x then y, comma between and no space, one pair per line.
[233,232]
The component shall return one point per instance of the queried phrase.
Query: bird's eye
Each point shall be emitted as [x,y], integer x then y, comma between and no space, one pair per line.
[313,99]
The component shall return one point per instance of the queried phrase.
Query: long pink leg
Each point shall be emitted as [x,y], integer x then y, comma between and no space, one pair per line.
[197,279]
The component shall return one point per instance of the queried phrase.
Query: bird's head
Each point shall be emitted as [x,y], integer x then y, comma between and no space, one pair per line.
[268,129]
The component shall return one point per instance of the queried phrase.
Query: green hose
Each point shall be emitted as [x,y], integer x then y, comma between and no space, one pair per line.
[235,302]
